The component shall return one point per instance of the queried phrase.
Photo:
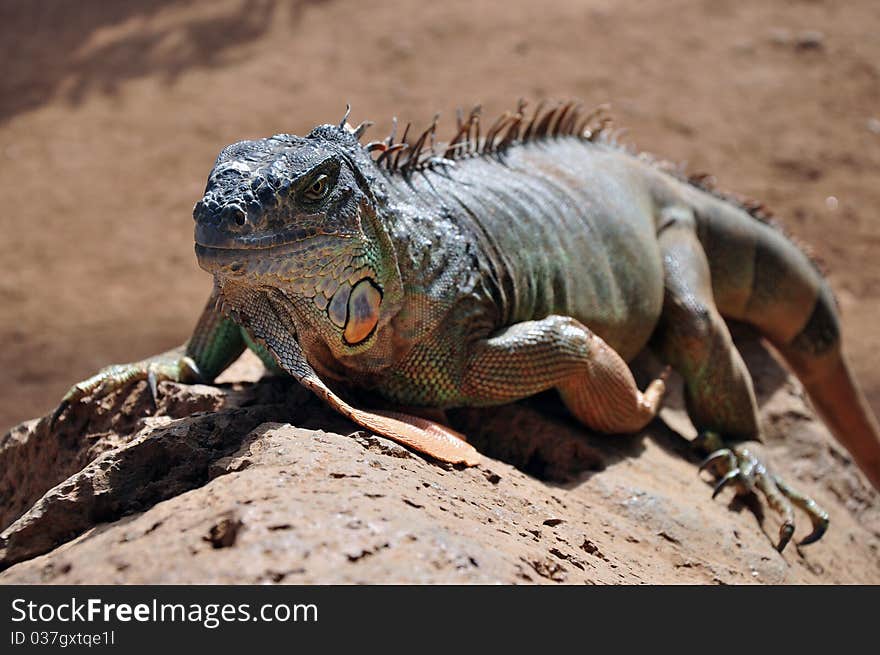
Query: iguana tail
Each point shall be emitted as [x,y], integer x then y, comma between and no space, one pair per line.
[760,277]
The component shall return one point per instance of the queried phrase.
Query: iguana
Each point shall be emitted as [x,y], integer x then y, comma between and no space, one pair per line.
[539,254]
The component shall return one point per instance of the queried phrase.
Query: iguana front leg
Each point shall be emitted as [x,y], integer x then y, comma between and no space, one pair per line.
[216,342]
[595,383]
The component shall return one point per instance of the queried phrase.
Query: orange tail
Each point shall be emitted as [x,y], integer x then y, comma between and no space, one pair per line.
[841,404]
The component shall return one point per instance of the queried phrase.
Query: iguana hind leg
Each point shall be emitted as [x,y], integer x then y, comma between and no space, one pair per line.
[694,338]
[595,383]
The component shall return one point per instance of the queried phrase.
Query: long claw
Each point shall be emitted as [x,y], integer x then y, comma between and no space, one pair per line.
[819,528]
[172,365]
[153,383]
[818,516]
[715,457]
[786,530]
[729,477]
[57,414]
[766,483]
[190,369]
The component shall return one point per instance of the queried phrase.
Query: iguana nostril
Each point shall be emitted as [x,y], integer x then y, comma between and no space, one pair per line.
[234,212]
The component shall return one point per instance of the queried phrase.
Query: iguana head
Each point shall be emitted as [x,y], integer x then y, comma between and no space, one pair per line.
[296,219]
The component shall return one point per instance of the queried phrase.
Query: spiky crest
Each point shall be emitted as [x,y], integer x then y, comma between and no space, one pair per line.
[408,155]
[548,121]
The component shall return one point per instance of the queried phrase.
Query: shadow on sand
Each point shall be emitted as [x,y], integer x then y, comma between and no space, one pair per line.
[539,436]
[80,48]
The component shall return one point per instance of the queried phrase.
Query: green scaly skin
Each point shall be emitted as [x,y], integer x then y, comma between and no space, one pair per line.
[545,258]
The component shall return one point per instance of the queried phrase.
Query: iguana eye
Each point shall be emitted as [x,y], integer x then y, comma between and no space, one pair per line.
[318,189]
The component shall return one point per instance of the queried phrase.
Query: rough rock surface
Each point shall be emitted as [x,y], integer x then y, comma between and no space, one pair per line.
[255,481]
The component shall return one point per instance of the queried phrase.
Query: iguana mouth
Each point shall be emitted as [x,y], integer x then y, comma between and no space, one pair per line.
[235,257]
[242,263]
[210,237]
[221,252]
[229,259]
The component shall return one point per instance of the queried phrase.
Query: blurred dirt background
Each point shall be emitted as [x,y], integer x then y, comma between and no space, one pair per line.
[111,115]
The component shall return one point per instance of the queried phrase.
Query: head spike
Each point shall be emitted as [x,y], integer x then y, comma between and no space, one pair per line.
[474,129]
[416,152]
[527,133]
[455,143]
[390,139]
[571,120]
[543,127]
[428,137]
[360,129]
[403,141]
[512,134]
[489,143]
[386,155]
[433,135]
[345,118]
[561,118]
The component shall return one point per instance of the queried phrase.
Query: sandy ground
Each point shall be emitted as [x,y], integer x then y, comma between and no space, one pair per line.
[111,114]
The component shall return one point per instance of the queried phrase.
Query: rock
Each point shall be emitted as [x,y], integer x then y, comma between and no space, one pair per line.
[259,482]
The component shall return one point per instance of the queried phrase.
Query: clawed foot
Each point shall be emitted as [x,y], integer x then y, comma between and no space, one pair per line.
[173,366]
[737,465]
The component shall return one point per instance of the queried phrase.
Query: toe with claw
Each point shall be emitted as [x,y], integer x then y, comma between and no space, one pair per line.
[740,467]
[172,365]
